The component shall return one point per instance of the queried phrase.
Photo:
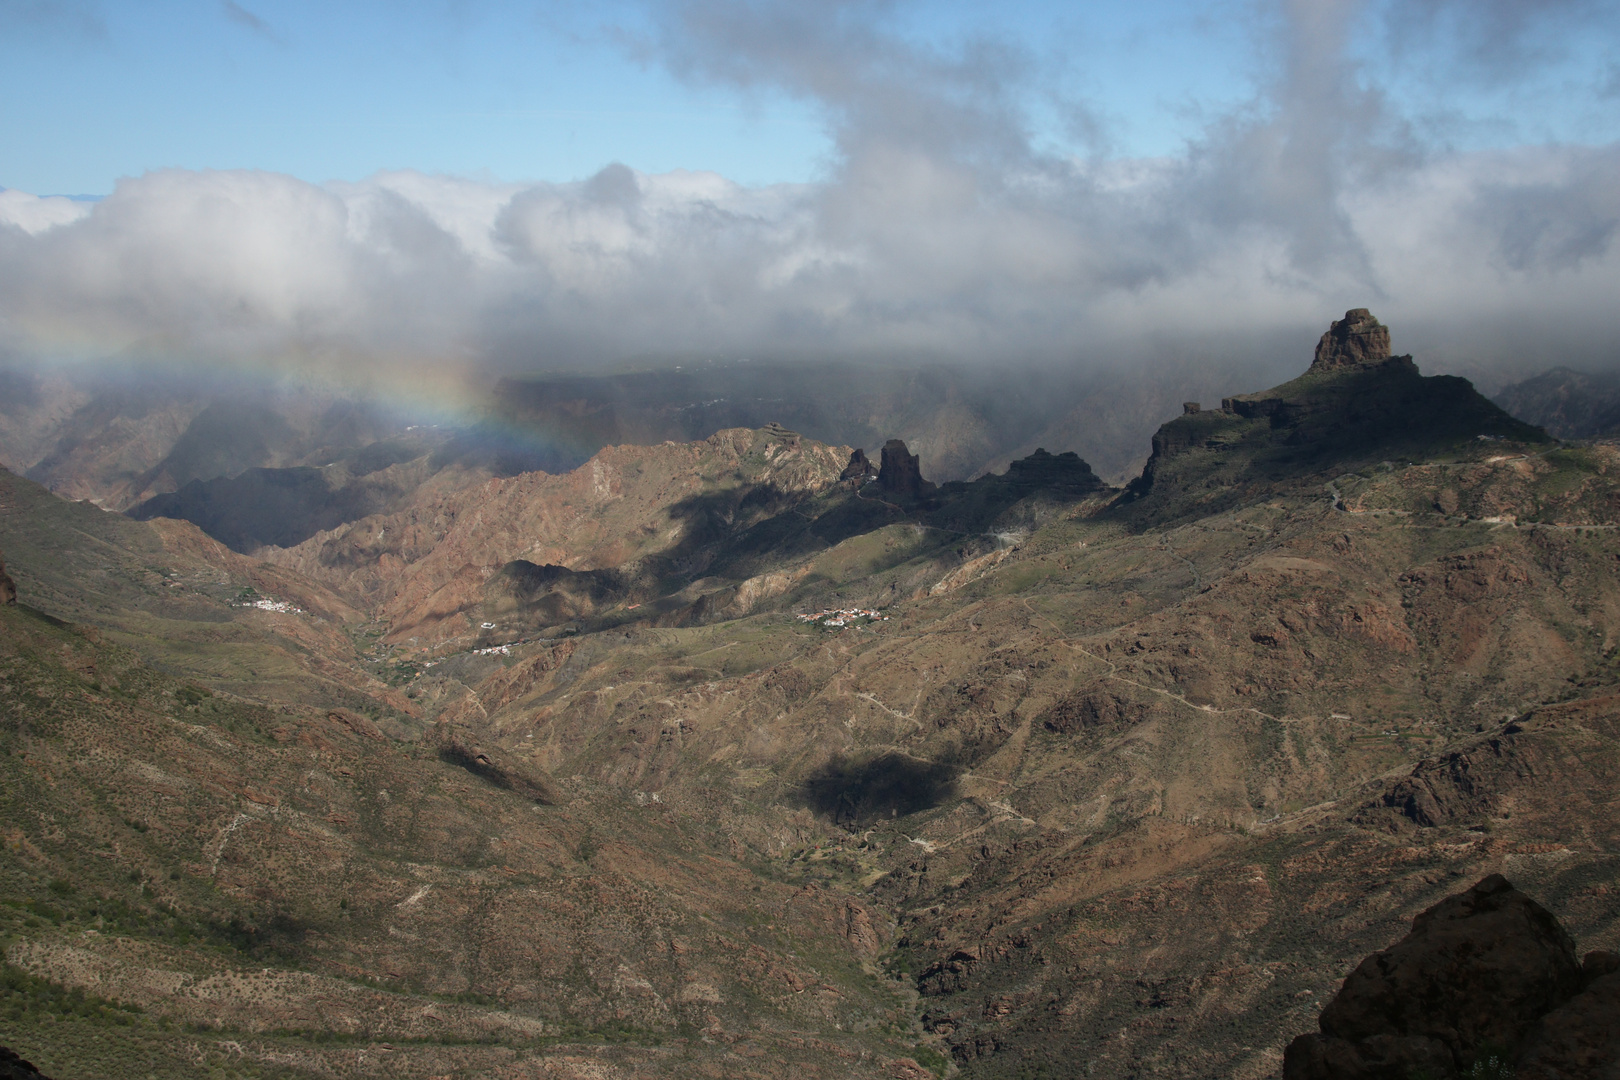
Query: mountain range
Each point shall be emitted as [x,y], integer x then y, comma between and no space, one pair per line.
[738,752]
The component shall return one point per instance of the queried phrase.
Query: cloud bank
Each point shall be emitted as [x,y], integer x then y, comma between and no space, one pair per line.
[940,230]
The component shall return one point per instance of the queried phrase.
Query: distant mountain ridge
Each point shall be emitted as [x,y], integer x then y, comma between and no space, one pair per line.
[1569,404]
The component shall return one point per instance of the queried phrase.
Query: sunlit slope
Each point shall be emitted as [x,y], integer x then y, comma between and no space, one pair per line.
[181,599]
[285,890]
[1030,762]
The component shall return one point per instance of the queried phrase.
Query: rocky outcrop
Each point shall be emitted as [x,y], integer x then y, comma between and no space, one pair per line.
[8,588]
[14,1067]
[859,468]
[900,474]
[777,431]
[1065,474]
[1487,972]
[458,745]
[1357,340]
[1355,405]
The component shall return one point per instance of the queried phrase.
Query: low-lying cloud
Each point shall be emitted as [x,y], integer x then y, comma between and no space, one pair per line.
[940,230]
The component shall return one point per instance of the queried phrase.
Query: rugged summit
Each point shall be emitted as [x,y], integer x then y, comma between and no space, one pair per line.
[1062,475]
[1354,406]
[1357,340]
[1472,981]
[859,467]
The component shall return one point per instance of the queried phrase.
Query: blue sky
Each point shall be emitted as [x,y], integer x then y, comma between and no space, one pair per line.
[95,91]
[476,183]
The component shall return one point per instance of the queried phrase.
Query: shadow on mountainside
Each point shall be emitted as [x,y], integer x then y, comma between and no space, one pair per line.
[853,791]
[737,535]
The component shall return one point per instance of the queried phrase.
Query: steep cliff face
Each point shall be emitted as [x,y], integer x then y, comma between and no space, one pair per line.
[900,474]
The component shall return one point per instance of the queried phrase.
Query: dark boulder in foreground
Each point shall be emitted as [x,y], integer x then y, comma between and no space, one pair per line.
[1579,1038]
[1487,973]
[14,1067]
[8,588]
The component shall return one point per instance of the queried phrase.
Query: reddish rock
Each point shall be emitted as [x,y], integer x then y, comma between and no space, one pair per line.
[1356,340]
[859,931]
[1478,969]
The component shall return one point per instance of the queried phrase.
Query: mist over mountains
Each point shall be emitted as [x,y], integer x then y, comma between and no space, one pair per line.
[943,230]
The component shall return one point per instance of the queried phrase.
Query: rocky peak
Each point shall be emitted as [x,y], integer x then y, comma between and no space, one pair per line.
[900,474]
[1356,340]
[859,468]
[1064,474]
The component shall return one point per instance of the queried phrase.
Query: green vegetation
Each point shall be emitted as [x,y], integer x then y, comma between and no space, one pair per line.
[26,998]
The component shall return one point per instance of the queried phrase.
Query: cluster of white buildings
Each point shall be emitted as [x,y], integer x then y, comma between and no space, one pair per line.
[837,619]
[264,604]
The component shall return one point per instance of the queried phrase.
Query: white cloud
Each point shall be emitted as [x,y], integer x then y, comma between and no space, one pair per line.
[939,230]
[33,214]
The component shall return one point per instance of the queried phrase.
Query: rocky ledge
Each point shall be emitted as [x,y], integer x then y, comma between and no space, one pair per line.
[1486,984]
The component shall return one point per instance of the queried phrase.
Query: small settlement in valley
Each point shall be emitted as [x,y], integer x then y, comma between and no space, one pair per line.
[837,619]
